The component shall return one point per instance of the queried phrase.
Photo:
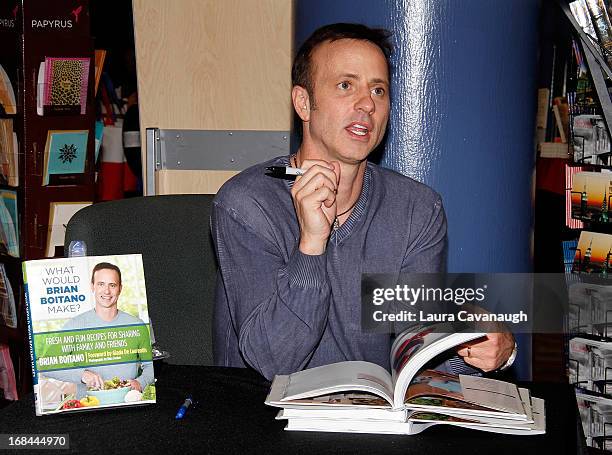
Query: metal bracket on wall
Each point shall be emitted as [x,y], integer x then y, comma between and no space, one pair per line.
[209,150]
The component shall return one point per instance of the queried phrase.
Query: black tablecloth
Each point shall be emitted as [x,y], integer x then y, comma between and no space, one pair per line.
[232,418]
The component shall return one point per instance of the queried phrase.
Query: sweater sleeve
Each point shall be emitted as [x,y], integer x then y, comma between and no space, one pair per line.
[427,252]
[278,307]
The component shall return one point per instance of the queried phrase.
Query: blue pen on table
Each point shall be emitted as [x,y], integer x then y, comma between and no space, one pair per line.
[183,409]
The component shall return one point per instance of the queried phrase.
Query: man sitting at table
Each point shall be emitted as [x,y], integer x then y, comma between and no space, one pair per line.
[291,254]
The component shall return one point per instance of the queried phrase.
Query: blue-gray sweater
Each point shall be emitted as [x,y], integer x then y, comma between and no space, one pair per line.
[279,310]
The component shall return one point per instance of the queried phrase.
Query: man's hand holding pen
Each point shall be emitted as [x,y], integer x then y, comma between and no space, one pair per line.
[314,198]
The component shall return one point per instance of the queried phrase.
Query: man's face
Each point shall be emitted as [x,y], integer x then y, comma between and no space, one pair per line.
[351,99]
[106,288]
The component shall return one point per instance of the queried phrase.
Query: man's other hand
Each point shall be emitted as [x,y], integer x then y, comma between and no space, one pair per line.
[489,352]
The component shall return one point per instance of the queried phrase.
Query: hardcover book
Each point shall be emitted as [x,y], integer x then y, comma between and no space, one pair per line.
[362,397]
[89,333]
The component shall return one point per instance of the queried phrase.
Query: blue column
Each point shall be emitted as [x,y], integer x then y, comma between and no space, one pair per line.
[463,113]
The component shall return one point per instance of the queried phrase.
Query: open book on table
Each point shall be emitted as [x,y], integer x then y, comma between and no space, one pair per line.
[363,391]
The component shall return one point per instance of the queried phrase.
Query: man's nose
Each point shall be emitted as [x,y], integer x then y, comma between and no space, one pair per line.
[365,103]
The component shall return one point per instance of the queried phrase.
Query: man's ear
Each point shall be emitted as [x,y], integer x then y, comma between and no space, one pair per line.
[301,102]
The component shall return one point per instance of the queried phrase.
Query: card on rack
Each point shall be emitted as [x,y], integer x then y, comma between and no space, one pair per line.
[7,94]
[9,236]
[59,215]
[65,154]
[66,82]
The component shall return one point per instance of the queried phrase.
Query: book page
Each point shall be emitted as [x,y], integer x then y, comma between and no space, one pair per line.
[339,377]
[492,393]
[411,350]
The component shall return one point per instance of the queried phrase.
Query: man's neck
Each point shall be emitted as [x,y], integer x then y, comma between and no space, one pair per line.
[106,314]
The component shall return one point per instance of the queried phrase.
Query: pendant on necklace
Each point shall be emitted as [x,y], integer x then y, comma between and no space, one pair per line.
[336,224]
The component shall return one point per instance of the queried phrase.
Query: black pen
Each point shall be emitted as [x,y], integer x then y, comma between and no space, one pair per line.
[284,171]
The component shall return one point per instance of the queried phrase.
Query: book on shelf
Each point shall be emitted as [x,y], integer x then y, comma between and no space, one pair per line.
[89,333]
[358,396]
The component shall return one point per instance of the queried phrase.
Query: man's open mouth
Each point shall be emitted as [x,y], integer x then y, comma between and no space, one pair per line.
[358,129]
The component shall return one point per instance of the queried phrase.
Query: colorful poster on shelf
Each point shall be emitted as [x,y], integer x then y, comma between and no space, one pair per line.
[59,215]
[66,82]
[65,153]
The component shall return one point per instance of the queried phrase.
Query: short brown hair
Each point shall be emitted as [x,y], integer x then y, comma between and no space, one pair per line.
[105,265]
[302,71]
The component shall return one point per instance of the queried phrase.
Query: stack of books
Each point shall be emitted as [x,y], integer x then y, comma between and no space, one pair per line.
[361,397]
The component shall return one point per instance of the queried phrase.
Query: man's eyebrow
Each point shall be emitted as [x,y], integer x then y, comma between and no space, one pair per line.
[378,80]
